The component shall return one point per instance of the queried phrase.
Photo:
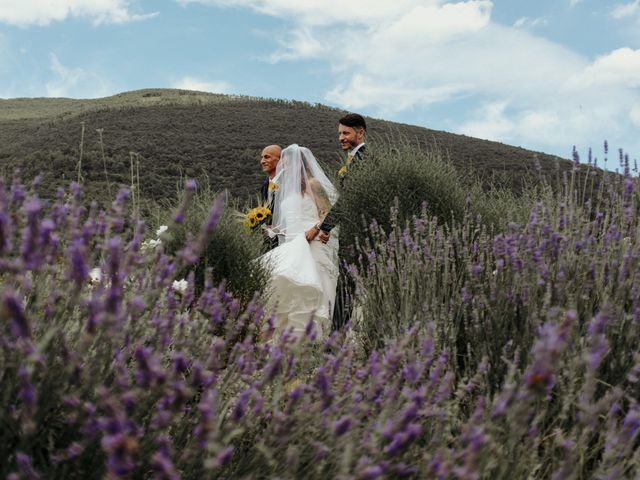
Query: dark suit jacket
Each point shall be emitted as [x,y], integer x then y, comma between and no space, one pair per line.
[331,219]
[269,243]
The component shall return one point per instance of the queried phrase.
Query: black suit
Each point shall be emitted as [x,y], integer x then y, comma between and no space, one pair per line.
[269,243]
[346,285]
[332,217]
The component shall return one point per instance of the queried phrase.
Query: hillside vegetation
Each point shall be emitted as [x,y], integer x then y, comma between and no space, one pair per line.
[171,134]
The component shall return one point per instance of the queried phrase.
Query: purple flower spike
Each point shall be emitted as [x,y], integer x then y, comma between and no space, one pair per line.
[6,230]
[79,269]
[19,324]
[216,212]
[190,185]
[342,425]
[224,457]
[25,463]
[373,472]
[27,393]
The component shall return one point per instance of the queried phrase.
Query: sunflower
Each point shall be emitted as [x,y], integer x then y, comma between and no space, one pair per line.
[261,213]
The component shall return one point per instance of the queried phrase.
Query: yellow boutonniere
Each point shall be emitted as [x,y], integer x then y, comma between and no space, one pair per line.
[343,170]
[273,187]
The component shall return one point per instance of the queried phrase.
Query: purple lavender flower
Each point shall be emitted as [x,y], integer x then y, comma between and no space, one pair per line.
[342,425]
[162,464]
[27,393]
[240,407]
[215,213]
[25,463]
[631,424]
[79,269]
[6,230]
[372,472]
[224,457]
[19,323]
[31,233]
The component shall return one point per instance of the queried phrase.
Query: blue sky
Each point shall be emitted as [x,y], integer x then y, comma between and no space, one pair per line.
[543,75]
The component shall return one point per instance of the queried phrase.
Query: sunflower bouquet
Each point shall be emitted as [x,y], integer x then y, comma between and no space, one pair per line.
[256,217]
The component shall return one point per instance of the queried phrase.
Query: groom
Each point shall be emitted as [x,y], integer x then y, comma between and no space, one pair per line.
[352,130]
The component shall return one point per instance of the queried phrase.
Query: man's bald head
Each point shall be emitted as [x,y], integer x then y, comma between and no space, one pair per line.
[270,158]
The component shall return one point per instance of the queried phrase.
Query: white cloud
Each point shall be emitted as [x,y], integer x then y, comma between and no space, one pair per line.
[388,57]
[74,82]
[573,3]
[526,22]
[626,10]
[322,12]
[618,68]
[302,44]
[634,114]
[192,83]
[43,12]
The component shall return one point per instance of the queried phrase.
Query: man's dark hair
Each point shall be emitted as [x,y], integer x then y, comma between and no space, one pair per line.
[353,120]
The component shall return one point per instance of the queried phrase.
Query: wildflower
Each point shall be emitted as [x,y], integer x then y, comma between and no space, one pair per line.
[216,213]
[150,244]
[162,464]
[240,407]
[180,286]
[95,275]
[190,185]
[20,325]
[161,230]
[373,472]
[342,425]
[25,462]
[27,393]
[223,458]
[5,232]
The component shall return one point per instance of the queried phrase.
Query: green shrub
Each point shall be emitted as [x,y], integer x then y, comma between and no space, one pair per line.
[402,175]
[230,251]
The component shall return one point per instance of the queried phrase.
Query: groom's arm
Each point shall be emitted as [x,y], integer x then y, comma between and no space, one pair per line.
[330,220]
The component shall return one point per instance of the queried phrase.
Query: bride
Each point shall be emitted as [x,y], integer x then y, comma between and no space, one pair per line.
[304,271]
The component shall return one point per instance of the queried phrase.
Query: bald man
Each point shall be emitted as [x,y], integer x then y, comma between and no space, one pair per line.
[269,162]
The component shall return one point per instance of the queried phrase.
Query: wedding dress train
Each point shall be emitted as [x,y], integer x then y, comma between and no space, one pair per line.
[303,274]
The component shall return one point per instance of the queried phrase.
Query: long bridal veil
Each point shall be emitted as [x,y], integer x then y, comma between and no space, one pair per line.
[298,174]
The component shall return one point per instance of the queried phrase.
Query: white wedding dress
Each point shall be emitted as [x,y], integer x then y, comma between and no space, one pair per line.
[303,274]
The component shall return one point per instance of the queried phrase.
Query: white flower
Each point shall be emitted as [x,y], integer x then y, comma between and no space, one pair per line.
[95,275]
[161,230]
[180,285]
[150,244]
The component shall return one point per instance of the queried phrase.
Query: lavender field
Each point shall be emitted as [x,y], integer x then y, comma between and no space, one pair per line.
[478,351]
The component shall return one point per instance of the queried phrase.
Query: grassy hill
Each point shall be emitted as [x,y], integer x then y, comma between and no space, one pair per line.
[171,134]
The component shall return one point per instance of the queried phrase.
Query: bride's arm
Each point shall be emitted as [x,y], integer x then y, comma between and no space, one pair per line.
[323,206]
[321,198]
